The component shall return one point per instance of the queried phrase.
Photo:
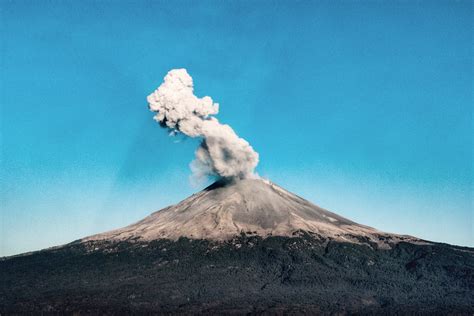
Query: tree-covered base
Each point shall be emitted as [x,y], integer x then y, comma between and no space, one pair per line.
[305,274]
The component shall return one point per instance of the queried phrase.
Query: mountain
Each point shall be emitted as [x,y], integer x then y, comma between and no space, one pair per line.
[242,247]
[253,206]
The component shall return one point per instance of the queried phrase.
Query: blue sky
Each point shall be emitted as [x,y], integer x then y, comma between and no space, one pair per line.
[364,108]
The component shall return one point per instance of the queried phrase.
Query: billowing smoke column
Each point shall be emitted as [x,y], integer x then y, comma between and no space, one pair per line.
[222,153]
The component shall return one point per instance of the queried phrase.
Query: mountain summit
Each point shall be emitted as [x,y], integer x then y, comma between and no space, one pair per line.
[229,208]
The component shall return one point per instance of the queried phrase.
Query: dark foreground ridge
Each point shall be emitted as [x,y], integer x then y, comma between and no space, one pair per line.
[304,274]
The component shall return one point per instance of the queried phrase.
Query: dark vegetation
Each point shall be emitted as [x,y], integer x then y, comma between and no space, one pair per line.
[248,275]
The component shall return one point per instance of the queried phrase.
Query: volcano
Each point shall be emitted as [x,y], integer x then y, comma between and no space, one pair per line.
[259,207]
[242,247]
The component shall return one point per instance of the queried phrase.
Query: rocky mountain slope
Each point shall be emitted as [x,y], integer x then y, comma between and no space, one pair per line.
[254,206]
[245,247]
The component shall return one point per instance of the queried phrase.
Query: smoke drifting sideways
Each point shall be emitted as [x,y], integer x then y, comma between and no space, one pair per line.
[222,153]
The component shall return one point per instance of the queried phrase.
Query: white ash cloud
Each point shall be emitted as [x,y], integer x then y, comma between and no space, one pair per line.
[222,152]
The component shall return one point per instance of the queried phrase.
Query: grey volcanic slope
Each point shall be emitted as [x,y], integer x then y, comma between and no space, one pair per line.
[246,247]
[227,208]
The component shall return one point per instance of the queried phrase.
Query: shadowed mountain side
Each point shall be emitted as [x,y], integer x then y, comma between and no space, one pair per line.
[306,274]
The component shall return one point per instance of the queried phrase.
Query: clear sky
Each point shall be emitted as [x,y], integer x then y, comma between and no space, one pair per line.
[364,108]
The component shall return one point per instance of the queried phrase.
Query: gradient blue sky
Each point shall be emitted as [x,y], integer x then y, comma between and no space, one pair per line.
[364,108]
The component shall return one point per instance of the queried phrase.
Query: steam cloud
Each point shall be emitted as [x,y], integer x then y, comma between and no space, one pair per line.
[222,152]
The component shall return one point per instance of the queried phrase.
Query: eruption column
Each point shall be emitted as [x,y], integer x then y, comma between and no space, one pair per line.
[222,152]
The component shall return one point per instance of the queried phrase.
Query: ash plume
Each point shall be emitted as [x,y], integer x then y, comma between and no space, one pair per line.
[222,152]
